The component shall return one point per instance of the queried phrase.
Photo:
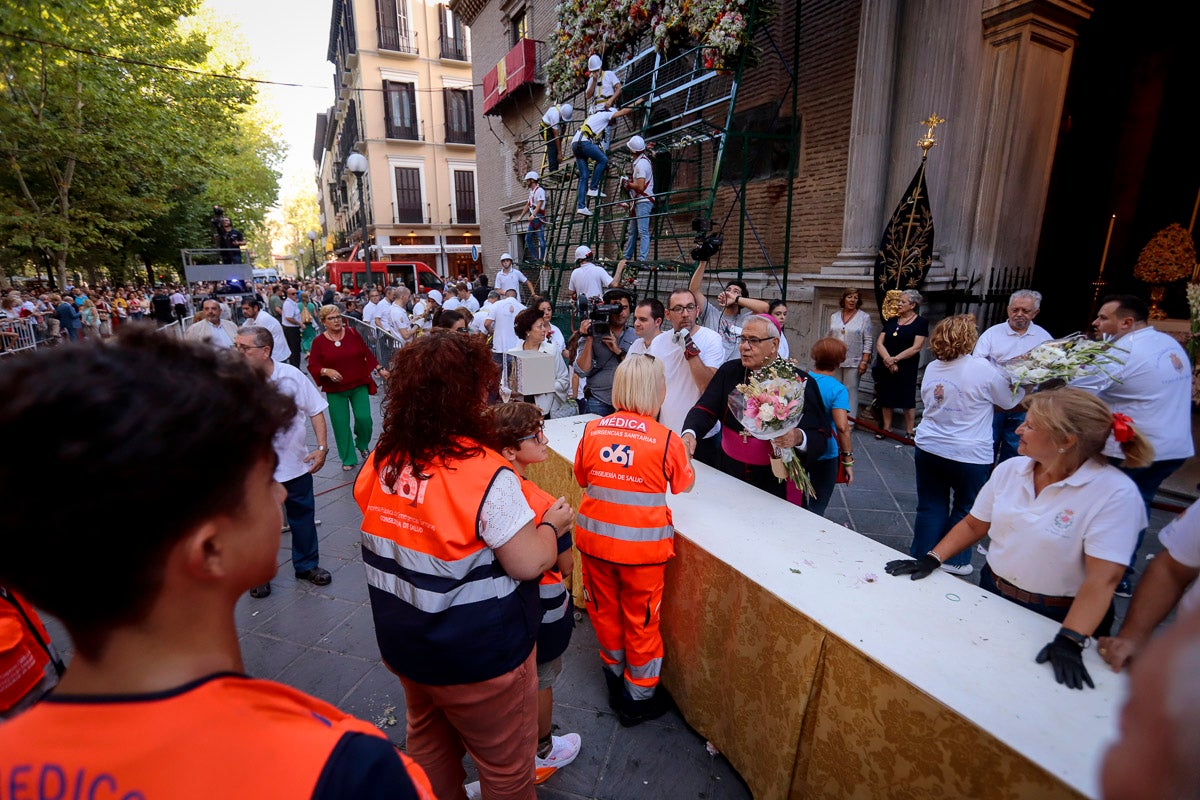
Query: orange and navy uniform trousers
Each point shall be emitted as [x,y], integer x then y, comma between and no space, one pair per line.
[225,735]
[28,662]
[554,634]
[626,463]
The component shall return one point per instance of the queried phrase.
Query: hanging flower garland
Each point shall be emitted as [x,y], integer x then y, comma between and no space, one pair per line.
[721,27]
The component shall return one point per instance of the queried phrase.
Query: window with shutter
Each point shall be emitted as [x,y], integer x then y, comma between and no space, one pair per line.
[409,206]
[400,110]
[460,115]
[464,197]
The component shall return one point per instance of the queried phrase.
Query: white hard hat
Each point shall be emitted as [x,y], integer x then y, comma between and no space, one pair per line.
[583,251]
[531,175]
[566,112]
[435,296]
[506,257]
[594,63]
[637,144]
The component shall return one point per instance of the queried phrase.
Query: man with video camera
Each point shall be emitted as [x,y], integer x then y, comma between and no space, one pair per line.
[605,340]
[732,307]
[227,238]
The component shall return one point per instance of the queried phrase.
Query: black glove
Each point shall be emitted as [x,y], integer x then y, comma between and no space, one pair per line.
[1066,655]
[918,568]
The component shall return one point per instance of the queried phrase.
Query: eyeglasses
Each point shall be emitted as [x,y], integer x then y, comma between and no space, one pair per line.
[246,348]
[540,436]
[754,340]
[680,309]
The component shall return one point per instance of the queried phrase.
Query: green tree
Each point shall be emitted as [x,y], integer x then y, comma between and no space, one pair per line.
[97,145]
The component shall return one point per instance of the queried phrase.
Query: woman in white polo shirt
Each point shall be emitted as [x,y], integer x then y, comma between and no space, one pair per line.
[1063,523]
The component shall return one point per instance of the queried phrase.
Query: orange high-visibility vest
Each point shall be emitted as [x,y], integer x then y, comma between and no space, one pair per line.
[626,463]
[24,649]
[223,736]
[554,634]
[445,610]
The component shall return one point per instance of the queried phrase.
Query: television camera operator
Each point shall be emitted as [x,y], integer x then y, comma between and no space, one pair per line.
[605,341]
[228,239]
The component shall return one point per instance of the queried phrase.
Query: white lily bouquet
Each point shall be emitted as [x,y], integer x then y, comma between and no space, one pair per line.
[769,405]
[1060,360]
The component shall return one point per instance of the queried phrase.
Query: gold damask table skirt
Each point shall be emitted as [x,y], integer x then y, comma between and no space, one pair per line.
[798,705]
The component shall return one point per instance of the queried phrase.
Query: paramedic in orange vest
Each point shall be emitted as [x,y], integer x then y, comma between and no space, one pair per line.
[155,702]
[453,554]
[625,463]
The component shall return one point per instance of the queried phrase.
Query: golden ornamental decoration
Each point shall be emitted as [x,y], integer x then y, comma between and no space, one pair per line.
[1169,256]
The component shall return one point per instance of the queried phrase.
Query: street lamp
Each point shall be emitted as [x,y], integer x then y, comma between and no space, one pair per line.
[357,163]
[312,243]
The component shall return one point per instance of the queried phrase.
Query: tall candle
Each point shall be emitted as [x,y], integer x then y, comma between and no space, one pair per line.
[1107,240]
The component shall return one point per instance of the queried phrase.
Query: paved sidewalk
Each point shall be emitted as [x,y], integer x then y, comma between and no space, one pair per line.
[321,640]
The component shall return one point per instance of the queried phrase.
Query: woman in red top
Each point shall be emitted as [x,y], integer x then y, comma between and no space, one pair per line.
[344,367]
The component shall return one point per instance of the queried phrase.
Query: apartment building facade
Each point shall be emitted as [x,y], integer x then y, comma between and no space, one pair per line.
[404,100]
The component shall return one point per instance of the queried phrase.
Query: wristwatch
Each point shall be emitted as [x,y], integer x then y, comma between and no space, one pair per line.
[322,447]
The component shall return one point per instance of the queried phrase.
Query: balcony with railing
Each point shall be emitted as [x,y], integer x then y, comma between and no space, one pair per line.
[519,67]
[454,49]
[460,115]
[398,41]
[453,36]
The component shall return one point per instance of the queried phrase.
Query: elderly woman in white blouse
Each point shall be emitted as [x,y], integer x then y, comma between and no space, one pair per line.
[852,325]
[532,329]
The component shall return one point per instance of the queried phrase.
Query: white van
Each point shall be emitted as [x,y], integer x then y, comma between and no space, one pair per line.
[265,276]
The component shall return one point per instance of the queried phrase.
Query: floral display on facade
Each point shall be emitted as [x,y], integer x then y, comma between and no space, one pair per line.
[613,29]
[1169,256]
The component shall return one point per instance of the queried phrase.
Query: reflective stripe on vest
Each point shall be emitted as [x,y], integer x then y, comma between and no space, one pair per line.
[625,533]
[623,497]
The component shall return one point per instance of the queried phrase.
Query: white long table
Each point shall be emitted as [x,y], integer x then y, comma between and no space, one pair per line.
[819,675]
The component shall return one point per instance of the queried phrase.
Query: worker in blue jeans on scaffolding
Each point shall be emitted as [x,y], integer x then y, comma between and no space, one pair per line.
[641,188]
[586,147]
[535,236]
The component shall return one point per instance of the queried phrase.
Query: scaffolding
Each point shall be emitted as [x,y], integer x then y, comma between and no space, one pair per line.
[698,146]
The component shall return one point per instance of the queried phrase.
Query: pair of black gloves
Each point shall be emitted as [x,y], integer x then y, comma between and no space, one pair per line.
[1065,653]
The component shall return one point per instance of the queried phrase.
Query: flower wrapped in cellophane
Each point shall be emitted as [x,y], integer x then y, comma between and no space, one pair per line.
[769,405]
[1061,360]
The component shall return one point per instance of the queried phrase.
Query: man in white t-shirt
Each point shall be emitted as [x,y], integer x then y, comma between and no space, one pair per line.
[640,186]
[552,130]
[1153,388]
[370,310]
[590,143]
[295,465]
[399,323]
[509,278]
[1014,337]
[690,355]
[535,213]
[291,324]
[648,317]
[1170,580]
[603,86]
[501,324]
[383,309]
[253,314]
[589,280]
[481,322]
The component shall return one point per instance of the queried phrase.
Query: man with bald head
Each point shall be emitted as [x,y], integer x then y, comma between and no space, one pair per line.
[211,329]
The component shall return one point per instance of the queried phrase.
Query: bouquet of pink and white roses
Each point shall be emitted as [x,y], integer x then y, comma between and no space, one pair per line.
[1060,360]
[769,405]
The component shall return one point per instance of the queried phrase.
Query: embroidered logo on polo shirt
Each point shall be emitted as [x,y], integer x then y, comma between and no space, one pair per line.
[1063,520]
[1176,362]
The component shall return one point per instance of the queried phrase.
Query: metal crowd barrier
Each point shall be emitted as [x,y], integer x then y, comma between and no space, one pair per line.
[382,344]
[17,335]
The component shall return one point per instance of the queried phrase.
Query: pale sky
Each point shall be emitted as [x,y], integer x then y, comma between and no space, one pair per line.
[288,39]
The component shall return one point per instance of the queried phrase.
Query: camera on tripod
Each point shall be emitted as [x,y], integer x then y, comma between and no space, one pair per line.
[707,242]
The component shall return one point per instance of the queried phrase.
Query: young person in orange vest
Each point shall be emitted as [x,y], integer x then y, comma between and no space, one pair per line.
[453,556]
[625,463]
[519,437]
[154,702]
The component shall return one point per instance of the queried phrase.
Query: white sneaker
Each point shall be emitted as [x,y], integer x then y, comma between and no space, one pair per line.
[979,548]
[587,212]
[965,569]
[593,192]
[474,792]
[562,753]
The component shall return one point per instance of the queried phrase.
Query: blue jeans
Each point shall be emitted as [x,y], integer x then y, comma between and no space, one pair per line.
[584,151]
[946,491]
[300,508]
[1147,479]
[535,240]
[594,405]
[639,230]
[1057,613]
[1004,433]
[824,477]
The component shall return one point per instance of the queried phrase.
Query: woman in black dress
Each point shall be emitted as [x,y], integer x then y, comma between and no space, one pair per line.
[898,353]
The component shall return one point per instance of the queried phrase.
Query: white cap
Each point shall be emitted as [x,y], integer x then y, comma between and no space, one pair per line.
[505,257]
[435,296]
[531,175]
[583,251]
[594,63]
[637,144]
[566,111]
